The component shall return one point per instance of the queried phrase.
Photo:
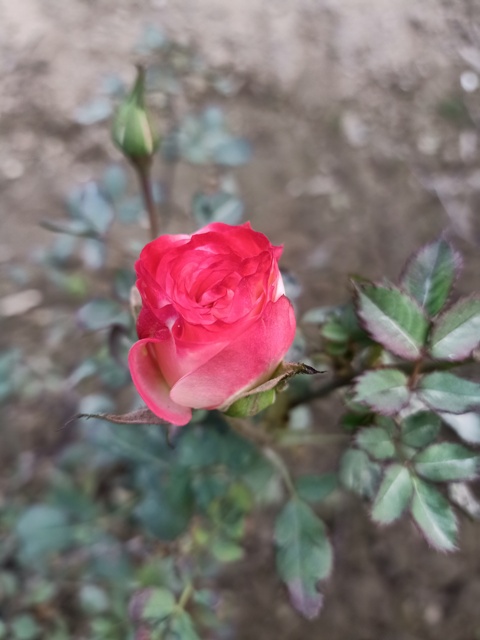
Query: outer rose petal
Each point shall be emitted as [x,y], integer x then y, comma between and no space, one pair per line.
[248,360]
[151,385]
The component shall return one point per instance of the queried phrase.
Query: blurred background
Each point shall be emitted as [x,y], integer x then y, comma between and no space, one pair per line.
[364,121]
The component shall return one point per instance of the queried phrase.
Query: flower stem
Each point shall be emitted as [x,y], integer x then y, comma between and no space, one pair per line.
[185,596]
[316,439]
[145,180]
[279,464]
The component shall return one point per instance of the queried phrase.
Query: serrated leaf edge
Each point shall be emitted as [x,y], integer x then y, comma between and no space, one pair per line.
[457,265]
[439,318]
[357,380]
[357,288]
[407,503]
[452,547]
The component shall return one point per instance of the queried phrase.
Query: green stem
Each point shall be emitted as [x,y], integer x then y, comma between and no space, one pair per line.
[279,464]
[185,596]
[248,431]
[144,178]
[309,395]
[316,439]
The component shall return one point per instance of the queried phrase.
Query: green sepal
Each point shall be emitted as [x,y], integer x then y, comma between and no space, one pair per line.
[251,405]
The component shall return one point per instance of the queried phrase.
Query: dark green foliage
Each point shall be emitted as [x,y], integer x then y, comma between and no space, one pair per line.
[358,473]
[304,555]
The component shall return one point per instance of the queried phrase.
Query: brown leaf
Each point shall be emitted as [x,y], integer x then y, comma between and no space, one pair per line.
[139,416]
[287,370]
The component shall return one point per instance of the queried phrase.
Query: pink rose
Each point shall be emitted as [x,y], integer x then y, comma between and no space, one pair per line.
[215,321]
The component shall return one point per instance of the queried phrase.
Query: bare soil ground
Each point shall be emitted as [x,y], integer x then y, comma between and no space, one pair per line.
[366,144]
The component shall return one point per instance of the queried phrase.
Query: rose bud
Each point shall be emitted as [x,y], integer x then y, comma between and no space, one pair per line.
[215,322]
[132,129]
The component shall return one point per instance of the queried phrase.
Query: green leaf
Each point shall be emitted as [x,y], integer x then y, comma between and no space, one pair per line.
[130,210]
[385,390]
[151,39]
[232,152]
[214,443]
[318,315]
[435,517]
[93,253]
[95,111]
[377,442]
[443,391]
[420,429]
[352,421]
[393,319]
[393,495]
[457,332]
[430,273]
[159,604]
[205,139]
[334,331]
[313,488]
[88,203]
[114,182]
[101,313]
[93,599]
[166,510]
[465,425]
[43,529]
[217,207]
[108,559]
[304,555]
[358,473]
[124,280]
[225,550]
[228,511]
[182,628]
[462,496]
[24,627]
[103,628]
[447,461]
[79,228]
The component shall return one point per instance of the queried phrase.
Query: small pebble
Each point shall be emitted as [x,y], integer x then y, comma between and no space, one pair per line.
[354,129]
[469,81]
[12,169]
[16,304]
[468,143]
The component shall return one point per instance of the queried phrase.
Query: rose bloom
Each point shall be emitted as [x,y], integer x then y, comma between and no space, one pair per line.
[215,321]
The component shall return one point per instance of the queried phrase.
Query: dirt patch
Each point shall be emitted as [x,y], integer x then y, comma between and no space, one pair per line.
[365,146]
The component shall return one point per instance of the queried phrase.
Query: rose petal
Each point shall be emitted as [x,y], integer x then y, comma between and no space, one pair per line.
[249,360]
[151,384]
